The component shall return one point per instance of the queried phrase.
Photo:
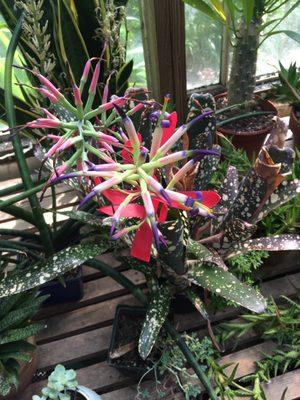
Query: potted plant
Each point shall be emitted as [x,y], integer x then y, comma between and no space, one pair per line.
[288,91]
[246,120]
[62,385]
[150,197]
[17,349]
[49,239]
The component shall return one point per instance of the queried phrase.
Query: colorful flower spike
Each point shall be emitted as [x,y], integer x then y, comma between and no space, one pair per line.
[128,174]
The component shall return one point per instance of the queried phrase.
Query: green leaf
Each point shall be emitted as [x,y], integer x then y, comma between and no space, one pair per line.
[226,285]
[14,335]
[248,8]
[155,318]
[83,217]
[198,303]
[284,193]
[21,346]
[272,243]
[203,254]
[48,269]
[206,9]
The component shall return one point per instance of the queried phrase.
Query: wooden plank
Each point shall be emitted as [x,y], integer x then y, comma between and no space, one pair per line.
[276,386]
[128,393]
[99,377]
[95,291]
[275,288]
[74,349]
[83,319]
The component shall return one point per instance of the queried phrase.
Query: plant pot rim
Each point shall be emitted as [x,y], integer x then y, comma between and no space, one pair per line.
[259,132]
[87,393]
[119,309]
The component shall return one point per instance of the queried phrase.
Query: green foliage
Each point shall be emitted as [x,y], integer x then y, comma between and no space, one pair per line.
[155,317]
[16,313]
[59,383]
[279,324]
[288,91]
[46,270]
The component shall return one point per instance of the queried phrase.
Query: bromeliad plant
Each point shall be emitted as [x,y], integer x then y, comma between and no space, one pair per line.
[16,327]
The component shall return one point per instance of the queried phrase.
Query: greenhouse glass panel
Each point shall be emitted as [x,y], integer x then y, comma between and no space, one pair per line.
[203,48]
[135,49]
[280,47]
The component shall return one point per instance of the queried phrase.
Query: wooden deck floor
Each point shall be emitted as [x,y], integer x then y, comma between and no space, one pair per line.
[78,334]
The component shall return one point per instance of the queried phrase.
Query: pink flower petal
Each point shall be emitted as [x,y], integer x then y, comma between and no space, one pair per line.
[142,242]
[168,132]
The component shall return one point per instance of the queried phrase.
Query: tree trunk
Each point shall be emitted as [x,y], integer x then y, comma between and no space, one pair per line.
[243,68]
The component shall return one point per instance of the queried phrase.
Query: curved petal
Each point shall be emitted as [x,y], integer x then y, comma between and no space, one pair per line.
[168,132]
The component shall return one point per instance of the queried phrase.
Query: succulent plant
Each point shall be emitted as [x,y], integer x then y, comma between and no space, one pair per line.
[16,313]
[60,382]
[288,90]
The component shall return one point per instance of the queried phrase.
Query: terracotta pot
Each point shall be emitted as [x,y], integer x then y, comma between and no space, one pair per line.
[251,142]
[26,372]
[295,127]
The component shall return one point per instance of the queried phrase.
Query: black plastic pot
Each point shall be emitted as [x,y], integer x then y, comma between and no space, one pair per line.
[129,369]
[72,291]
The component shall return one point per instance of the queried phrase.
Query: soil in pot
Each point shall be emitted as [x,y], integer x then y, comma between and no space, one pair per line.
[123,351]
[247,133]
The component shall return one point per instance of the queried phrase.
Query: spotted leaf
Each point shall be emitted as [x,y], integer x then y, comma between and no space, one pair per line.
[284,193]
[203,254]
[174,252]
[272,243]
[228,193]
[225,284]
[48,269]
[155,317]
[197,302]
[206,168]
[82,216]
[202,134]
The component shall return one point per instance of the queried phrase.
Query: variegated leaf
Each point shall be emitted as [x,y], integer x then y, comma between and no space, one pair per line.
[252,191]
[21,333]
[203,254]
[156,315]
[83,217]
[201,134]
[226,285]
[197,302]
[272,243]
[206,168]
[228,193]
[284,193]
[174,252]
[50,268]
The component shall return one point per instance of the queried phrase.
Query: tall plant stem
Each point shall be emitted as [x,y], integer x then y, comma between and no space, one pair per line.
[18,212]
[139,295]
[19,186]
[17,144]
[21,196]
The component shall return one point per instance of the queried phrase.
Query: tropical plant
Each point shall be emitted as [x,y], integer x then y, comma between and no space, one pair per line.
[58,38]
[245,21]
[16,327]
[288,91]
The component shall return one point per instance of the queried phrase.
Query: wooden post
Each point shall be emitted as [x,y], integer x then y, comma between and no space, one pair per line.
[163,29]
